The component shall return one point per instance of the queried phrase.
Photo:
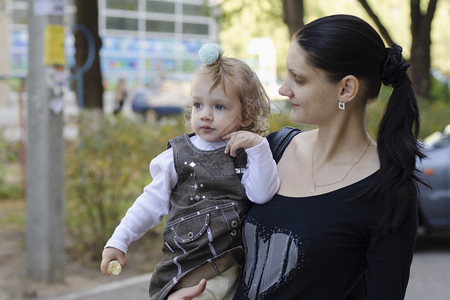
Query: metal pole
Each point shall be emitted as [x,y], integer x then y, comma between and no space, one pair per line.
[44,159]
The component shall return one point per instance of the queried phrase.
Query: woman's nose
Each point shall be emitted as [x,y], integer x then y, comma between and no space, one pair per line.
[284,90]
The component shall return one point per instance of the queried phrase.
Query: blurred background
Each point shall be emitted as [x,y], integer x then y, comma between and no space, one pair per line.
[104,84]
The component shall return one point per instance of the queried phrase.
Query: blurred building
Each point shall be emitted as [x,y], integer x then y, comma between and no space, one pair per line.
[143,40]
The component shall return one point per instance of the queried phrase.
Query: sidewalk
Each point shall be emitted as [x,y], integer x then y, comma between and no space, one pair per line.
[134,288]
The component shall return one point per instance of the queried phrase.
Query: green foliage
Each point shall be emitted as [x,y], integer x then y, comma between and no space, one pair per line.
[262,18]
[105,172]
[434,117]
[375,111]
[10,173]
[440,90]
[435,114]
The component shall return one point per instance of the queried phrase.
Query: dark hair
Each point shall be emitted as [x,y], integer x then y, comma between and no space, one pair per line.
[342,45]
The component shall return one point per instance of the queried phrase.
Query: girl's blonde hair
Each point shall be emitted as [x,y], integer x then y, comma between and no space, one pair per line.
[254,100]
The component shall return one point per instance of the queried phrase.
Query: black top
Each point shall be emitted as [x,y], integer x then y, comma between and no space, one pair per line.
[319,247]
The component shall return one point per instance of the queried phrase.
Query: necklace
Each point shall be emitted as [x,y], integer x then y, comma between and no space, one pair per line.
[315,185]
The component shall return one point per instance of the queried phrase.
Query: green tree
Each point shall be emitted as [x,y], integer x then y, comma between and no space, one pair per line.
[293,11]
[420,58]
[241,14]
[420,47]
[243,20]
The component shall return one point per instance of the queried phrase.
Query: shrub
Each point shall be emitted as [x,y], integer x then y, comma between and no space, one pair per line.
[105,171]
[10,171]
[434,117]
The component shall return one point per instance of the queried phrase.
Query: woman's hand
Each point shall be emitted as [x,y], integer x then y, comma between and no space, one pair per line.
[110,254]
[189,293]
[241,139]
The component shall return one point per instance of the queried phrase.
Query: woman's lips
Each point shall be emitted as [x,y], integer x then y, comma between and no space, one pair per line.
[293,105]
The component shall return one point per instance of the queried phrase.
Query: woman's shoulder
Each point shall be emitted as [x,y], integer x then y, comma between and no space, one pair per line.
[304,140]
[282,139]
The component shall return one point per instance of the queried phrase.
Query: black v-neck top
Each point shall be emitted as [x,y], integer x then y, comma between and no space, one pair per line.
[319,247]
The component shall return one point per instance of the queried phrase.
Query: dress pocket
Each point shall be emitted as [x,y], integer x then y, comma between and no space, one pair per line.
[192,229]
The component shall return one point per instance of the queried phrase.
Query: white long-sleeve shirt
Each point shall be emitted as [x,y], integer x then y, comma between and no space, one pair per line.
[260,181]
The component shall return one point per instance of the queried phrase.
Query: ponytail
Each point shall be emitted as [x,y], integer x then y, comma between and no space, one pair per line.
[396,184]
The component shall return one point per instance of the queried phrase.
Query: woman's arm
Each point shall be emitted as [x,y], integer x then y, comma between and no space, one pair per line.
[389,258]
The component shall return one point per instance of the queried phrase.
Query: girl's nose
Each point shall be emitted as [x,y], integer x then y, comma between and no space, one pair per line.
[206,115]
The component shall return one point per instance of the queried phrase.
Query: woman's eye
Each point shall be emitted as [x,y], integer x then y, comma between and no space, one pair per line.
[296,79]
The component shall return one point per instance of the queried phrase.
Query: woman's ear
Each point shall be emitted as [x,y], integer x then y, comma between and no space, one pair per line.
[349,88]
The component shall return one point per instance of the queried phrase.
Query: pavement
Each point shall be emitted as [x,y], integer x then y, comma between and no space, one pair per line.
[134,288]
[429,279]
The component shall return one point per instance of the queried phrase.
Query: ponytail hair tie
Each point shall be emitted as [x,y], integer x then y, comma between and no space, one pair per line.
[209,54]
[394,68]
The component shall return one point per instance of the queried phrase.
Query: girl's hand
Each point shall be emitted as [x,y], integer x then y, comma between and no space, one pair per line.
[189,293]
[110,254]
[241,139]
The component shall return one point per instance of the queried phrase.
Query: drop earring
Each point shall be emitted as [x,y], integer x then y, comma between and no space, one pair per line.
[341,105]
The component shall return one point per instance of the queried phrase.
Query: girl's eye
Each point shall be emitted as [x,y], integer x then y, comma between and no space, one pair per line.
[219,107]
[196,105]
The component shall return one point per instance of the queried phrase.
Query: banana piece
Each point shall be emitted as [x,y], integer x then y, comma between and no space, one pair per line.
[114,268]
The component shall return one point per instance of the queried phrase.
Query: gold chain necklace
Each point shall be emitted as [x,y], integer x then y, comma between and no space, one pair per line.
[315,186]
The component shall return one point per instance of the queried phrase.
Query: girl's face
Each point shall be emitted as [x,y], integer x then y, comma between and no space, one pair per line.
[215,113]
[314,100]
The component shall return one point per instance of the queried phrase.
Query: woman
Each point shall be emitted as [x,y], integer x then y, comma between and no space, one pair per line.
[343,223]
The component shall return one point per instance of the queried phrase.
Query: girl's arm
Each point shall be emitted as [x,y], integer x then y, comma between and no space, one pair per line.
[150,207]
[260,180]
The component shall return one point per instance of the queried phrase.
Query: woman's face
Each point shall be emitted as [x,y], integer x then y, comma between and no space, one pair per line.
[314,99]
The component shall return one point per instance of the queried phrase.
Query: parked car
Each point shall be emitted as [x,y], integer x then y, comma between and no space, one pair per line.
[170,97]
[435,201]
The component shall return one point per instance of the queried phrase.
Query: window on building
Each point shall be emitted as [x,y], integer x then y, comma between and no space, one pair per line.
[121,23]
[160,26]
[194,28]
[161,7]
[195,10]
[125,5]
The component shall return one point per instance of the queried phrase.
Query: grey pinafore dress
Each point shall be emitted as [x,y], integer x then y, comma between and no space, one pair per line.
[207,207]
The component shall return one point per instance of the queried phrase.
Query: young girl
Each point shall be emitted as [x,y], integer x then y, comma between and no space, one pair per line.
[203,183]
